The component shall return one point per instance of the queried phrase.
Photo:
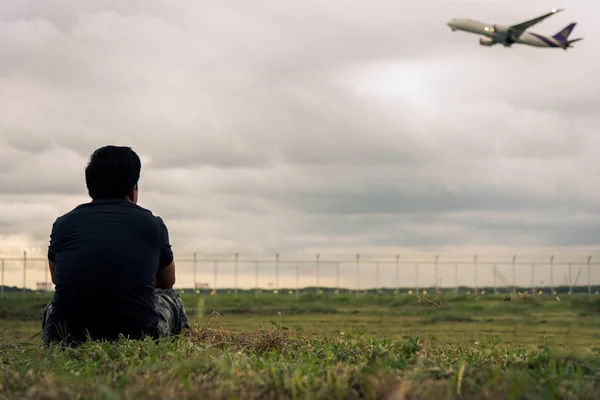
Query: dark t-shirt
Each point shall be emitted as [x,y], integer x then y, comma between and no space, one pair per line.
[107,255]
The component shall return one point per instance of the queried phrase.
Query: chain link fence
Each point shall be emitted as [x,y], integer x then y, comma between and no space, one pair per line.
[352,273]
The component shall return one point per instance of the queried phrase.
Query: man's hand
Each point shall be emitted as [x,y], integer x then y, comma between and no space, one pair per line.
[165,277]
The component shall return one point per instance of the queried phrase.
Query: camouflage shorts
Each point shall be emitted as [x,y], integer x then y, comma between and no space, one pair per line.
[172,318]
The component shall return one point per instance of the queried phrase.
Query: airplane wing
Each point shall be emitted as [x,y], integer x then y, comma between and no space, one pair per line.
[518,29]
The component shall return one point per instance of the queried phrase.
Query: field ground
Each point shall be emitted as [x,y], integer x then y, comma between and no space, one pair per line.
[388,347]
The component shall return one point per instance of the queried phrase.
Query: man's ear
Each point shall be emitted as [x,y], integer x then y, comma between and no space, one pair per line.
[133,194]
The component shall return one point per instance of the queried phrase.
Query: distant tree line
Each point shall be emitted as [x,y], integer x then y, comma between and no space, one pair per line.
[9,289]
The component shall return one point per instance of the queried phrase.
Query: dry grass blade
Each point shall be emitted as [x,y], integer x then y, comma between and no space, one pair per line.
[255,342]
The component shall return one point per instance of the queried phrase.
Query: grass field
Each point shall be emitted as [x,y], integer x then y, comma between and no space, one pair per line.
[270,346]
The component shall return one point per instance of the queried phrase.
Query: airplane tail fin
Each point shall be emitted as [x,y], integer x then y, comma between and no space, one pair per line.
[563,35]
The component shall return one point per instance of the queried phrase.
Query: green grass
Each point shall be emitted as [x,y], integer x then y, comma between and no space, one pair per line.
[334,347]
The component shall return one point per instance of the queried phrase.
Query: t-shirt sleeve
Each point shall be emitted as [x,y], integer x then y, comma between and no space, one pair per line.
[52,243]
[166,253]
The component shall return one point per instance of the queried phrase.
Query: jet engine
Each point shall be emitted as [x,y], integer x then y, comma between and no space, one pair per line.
[508,34]
[486,41]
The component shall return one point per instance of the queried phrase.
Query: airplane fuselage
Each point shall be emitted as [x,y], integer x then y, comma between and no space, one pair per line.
[498,34]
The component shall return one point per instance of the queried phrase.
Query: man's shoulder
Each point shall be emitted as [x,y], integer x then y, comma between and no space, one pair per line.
[148,213]
[85,209]
[90,207]
[139,209]
[69,214]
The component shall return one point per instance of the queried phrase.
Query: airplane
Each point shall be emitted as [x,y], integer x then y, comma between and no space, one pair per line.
[507,35]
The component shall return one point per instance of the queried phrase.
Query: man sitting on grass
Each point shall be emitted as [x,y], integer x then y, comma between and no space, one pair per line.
[111,262]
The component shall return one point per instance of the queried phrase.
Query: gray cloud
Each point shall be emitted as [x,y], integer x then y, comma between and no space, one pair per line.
[304,124]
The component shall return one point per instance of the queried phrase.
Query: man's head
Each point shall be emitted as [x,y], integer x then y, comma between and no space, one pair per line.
[113,172]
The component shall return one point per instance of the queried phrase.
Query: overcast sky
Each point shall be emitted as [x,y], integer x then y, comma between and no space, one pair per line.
[301,125]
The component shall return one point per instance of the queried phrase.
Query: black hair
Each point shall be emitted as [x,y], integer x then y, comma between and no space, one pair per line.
[112,172]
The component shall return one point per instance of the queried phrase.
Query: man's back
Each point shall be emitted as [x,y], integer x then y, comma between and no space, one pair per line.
[107,254]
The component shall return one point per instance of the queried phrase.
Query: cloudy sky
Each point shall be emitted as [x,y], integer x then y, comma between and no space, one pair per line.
[301,125]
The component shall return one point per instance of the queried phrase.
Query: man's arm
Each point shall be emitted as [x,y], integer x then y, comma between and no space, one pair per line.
[165,277]
[52,266]
[52,254]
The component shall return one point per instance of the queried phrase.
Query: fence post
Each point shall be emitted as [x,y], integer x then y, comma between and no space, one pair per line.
[24,271]
[236,274]
[397,274]
[297,281]
[475,274]
[256,278]
[514,282]
[552,274]
[277,273]
[456,277]
[495,272]
[195,275]
[317,289]
[589,268]
[337,277]
[357,277]
[215,279]
[2,283]
[417,274]
[570,279]
[376,277]
[532,278]
[437,275]
[46,270]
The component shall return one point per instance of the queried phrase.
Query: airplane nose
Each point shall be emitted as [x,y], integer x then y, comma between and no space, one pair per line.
[451,25]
